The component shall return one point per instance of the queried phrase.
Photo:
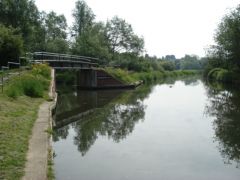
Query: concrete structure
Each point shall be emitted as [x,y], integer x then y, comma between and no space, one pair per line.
[97,79]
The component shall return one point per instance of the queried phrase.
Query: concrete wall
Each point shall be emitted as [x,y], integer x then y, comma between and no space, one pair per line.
[92,78]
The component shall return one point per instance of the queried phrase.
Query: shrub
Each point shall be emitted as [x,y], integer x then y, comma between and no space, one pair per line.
[32,86]
[32,83]
[15,89]
[28,85]
[41,69]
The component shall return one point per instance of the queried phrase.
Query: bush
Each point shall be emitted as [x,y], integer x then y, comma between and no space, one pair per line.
[15,89]
[32,86]
[42,70]
[28,85]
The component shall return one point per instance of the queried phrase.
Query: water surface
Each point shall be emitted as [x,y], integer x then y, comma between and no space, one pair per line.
[175,130]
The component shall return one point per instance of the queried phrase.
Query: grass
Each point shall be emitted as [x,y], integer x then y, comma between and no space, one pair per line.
[17,116]
[32,83]
[147,77]
[50,171]
[121,75]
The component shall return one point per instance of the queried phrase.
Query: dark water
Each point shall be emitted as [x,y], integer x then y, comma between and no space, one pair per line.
[176,130]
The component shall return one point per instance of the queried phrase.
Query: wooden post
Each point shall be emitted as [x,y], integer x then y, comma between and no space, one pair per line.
[2,82]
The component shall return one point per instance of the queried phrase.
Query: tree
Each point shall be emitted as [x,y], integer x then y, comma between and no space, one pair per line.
[170,57]
[228,39]
[56,26]
[55,33]
[83,17]
[24,16]
[93,43]
[57,46]
[121,37]
[190,62]
[168,65]
[11,45]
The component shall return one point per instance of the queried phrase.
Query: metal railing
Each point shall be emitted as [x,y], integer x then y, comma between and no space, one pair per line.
[48,57]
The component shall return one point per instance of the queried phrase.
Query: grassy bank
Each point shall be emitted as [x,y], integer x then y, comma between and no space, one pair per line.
[223,75]
[147,77]
[18,112]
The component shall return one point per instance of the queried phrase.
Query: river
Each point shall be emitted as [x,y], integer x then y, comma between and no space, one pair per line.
[174,130]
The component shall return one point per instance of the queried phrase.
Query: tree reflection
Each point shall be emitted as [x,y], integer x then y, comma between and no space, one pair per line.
[60,133]
[115,119]
[224,106]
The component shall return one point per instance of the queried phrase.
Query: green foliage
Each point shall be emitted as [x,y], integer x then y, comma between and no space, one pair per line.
[220,74]
[25,85]
[41,69]
[228,37]
[57,46]
[147,77]
[56,26]
[168,65]
[31,84]
[24,16]
[132,62]
[93,43]
[83,17]
[224,58]
[56,36]
[190,62]
[121,37]
[120,74]
[11,45]
[32,87]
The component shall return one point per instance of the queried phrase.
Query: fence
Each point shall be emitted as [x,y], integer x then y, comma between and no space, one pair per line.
[6,74]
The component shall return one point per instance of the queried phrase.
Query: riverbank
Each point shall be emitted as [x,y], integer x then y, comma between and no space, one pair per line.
[222,75]
[147,77]
[18,113]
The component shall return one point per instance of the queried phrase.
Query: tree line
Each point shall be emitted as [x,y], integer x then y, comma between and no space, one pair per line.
[23,28]
[224,57]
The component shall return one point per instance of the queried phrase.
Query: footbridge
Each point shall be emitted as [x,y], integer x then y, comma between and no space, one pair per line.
[65,61]
[89,75]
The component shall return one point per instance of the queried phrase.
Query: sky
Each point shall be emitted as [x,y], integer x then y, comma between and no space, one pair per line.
[175,27]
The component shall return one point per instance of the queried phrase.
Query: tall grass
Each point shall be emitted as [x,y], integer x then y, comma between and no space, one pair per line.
[121,75]
[31,84]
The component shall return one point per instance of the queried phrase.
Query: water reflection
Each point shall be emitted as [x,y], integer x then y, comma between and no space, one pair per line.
[224,107]
[96,113]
